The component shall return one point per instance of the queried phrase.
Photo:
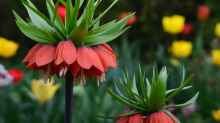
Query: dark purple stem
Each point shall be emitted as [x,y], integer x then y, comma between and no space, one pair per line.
[68,98]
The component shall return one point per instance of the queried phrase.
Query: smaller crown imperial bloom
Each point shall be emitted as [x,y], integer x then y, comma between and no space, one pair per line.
[217,30]
[17,75]
[8,48]
[44,91]
[181,49]
[216,115]
[69,42]
[203,13]
[215,56]
[173,24]
[188,29]
[130,21]
[147,99]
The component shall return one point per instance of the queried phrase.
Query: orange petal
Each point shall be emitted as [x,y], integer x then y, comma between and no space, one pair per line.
[58,57]
[87,58]
[107,56]
[69,52]
[137,118]
[45,55]
[31,53]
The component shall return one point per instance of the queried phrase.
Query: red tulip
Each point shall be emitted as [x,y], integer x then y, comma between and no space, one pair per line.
[61,9]
[203,12]
[187,30]
[131,20]
[159,117]
[16,74]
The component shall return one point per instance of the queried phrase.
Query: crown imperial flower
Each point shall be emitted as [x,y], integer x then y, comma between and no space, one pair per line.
[147,100]
[71,42]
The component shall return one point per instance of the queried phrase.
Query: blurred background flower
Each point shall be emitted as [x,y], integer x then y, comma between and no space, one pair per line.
[8,48]
[44,91]
[181,49]
[173,24]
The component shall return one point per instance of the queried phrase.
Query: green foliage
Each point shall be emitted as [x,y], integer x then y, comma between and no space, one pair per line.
[148,96]
[84,29]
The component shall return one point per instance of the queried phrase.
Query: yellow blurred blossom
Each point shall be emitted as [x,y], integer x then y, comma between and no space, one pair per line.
[7,48]
[217,29]
[173,24]
[215,55]
[44,91]
[216,115]
[181,49]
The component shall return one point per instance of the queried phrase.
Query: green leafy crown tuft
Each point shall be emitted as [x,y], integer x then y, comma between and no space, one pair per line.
[143,95]
[85,29]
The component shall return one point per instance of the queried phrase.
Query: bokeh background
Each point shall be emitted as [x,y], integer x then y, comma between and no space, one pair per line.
[145,43]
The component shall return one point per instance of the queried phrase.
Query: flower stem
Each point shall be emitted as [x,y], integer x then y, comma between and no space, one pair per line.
[68,98]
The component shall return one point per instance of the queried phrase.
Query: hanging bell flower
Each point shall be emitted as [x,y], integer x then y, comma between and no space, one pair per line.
[69,42]
[148,99]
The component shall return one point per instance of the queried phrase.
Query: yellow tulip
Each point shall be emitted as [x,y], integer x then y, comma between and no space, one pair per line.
[173,24]
[181,49]
[44,91]
[8,48]
[216,115]
[217,30]
[215,55]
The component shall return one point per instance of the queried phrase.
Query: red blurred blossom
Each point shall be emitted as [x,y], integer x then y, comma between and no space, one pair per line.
[159,117]
[203,13]
[17,75]
[61,10]
[131,20]
[188,29]
[83,62]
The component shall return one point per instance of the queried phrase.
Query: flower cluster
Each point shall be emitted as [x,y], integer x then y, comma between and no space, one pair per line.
[8,48]
[82,62]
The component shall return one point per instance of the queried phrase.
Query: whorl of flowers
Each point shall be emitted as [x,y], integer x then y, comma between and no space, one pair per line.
[72,38]
[148,100]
